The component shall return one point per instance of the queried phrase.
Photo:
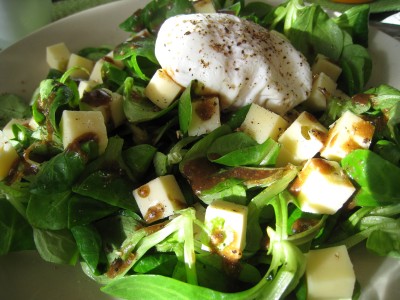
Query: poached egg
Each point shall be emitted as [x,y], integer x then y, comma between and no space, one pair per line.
[238,60]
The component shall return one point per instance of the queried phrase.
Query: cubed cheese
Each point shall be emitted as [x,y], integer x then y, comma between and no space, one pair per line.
[96,74]
[8,156]
[348,133]
[86,86]
[84,66]
[110,104]
[205,116]
[162,89]
[302,140]
[322,64]
[329,274]
[57,56]
[322,187]
[204,6]
[7,130]
[323,88]
[78,126]
[117,109]
[227,223]
[159,198]
[261,124]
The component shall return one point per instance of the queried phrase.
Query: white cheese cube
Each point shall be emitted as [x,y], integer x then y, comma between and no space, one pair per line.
[32,124]
[348,133]
[322,64]
[117,110]
[95,75]
[303,139]
[329,274]
[204,6]
[322,89]
[86,86]
[162,89]
[227,223]
[322,187]
[7,130]
[80,62]
[8,156]
[339,94]
[205,116]
[57,56]
[79,126]
[261,124]
[110,104]
[200,215]
[116,62]
[159,198]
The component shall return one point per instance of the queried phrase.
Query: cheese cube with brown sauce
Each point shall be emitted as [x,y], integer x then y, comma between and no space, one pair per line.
[227,223]
[109,103]
[81,126]
[8,156]
[322,187]
[302,140]
[205,116]
[348,133]
[329,274]
[261,124]
[96,74]
[86,86]
[159,198]
[162,90]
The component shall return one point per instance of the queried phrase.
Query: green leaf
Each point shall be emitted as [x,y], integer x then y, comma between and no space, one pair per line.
[312,31]
[158,263]
[370,171]
[137,107]
[94,53]
[377,6]
[84,210]
[15,232]
[12,106]
[89,244]
[237,117]
[239,149]
[384,243]
[57,247]
[185,109]
[49,211]
[199,149]
[356,64]
[108,186]
[154,13]
[58,174]
[388,150]
[139,159]
[140,51]
[355,21]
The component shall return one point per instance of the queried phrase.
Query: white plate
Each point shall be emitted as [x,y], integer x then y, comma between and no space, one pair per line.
[23,65]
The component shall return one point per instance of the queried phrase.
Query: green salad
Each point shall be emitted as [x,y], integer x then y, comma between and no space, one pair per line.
[161,189]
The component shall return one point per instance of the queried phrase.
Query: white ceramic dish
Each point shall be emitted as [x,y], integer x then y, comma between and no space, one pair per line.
[22,66]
